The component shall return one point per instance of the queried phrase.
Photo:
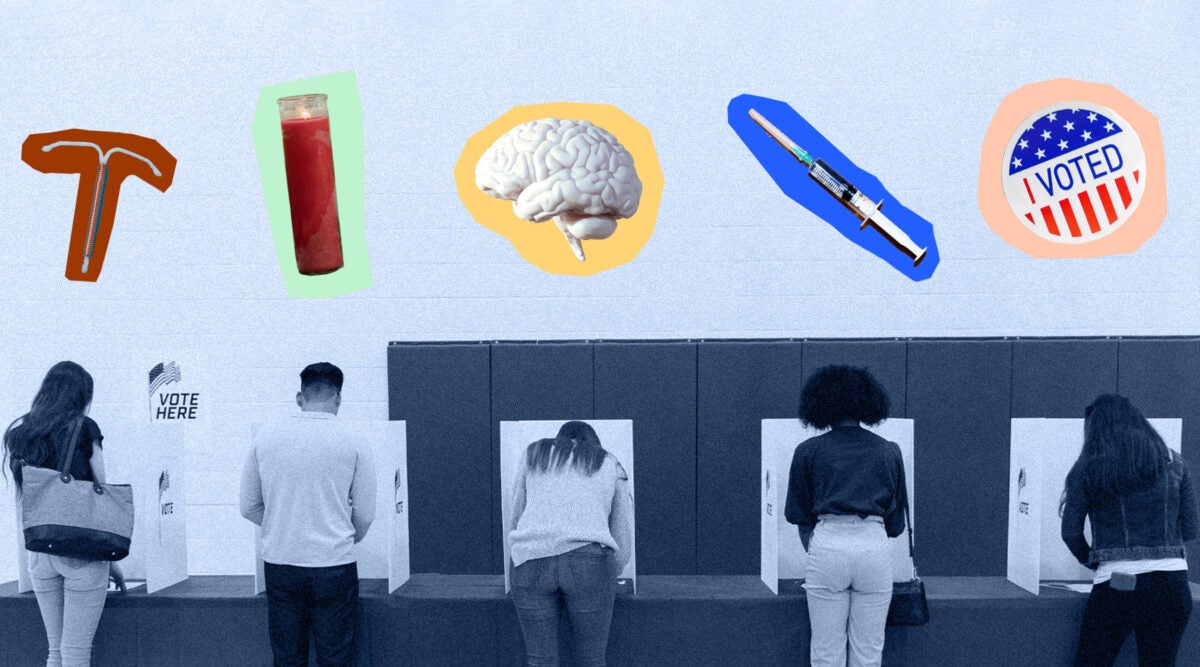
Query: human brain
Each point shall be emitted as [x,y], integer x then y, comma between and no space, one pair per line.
[553,167]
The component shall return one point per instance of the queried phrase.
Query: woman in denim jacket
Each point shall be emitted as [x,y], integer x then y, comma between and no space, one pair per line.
[1139,496]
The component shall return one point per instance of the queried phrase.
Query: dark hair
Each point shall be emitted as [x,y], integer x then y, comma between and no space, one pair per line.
[321,380]
[582,431]
[576,443]
[834,394]
[1121,450]
[65,392]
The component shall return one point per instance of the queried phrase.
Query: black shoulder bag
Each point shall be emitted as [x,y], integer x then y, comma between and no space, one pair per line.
[909,606]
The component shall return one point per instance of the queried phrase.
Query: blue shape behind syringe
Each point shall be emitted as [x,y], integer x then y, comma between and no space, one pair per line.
[792,177]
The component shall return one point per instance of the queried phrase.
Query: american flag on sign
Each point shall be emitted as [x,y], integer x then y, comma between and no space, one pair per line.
[164,483]
[1075,173]
[162,374]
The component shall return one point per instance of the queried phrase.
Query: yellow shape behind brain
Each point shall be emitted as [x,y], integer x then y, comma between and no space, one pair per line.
[543,244]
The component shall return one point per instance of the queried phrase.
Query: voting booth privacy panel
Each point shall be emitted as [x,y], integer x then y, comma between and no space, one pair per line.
[697,408]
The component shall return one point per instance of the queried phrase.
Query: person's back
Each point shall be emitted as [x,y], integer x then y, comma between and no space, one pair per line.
[310,462]
[571,533]
[846,494]
[70,591]
[1141,522]
[564,509]
[855,471]
[1139,497]
[309,482]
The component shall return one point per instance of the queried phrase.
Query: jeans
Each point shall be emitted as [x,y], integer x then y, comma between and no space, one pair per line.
[584,580]
[320,600]
[1156,610]
[70,594]
[848,585]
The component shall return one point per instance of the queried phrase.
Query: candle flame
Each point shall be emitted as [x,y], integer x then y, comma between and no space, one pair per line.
[304,113]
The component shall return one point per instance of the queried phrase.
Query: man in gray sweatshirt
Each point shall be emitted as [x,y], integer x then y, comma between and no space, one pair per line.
[310,483]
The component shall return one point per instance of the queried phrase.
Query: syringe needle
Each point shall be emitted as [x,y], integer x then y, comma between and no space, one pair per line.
[782,138]
[840,188]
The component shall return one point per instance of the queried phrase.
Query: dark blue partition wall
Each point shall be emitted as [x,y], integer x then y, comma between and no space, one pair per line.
[697,409]
[654,384]
[739,383]
[535,382]
[1162,377]
[1058,378]
[958,398]
[444,394]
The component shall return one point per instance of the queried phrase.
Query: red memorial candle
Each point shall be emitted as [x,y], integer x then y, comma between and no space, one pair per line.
[308,159]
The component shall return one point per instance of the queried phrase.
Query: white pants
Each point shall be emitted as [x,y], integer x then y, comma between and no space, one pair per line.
[848,585]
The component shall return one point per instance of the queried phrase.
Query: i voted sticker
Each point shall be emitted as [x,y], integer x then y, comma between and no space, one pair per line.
[1072,169]
[1076,173]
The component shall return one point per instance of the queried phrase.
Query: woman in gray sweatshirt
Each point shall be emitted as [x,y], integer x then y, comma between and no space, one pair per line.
[571,534]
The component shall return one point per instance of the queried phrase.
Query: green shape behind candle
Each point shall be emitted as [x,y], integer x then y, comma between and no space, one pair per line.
[346,131]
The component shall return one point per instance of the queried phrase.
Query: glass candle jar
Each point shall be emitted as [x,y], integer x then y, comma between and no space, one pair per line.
[308,160]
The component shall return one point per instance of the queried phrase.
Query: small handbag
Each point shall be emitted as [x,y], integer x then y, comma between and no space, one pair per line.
[909,606]
[67,517]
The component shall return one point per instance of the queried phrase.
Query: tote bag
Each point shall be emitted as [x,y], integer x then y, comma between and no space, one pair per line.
[68,517]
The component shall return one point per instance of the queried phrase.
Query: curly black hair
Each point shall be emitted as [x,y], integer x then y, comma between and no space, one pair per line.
[834,394]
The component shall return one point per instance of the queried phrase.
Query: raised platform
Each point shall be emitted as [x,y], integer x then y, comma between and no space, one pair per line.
[673,620]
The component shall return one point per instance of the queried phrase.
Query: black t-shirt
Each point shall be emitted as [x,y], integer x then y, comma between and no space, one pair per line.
[81,464]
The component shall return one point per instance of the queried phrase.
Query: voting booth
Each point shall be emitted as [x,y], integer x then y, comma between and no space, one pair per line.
[782,553]
[1042,453]
[383,553]
[616,437]
[11,541]
[150,458]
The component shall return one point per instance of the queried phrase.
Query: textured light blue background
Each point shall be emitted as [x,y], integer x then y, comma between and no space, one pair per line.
[906,89]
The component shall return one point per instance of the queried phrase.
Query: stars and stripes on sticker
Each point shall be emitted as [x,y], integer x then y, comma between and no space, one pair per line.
[1074,172]
[163,374]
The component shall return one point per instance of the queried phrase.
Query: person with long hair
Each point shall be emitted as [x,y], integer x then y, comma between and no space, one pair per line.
[70,591]
[571,534]
[847,495]
[1139,497]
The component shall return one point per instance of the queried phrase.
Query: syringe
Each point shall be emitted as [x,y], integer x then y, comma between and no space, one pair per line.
[849,195]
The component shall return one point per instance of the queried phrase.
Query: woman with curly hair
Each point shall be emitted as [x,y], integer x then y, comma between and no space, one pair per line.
[1142,506]
[846,493]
